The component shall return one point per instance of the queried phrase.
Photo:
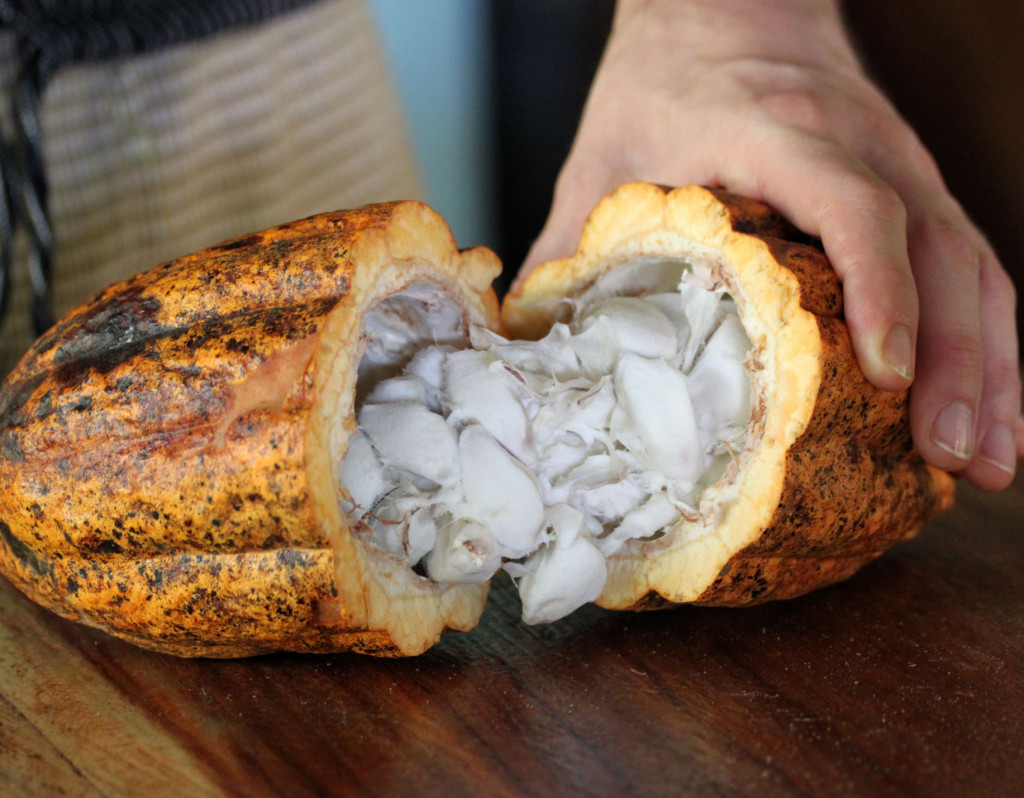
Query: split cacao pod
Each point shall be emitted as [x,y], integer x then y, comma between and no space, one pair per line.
[169,451]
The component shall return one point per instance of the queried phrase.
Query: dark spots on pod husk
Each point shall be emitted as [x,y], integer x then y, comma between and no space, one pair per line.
[290,558]
[45,406]
[283,609]
[74,373]
[240,243]
[651,600]
[277,321]
[211,330]
[11,447]
[14,398]
[289,321]
[281,250]
[760,583]
[275,540]
[754,226]
[296,321]
[108,547]
[199,596]
[796,508]
[29,559]
[71,586]
[110,332]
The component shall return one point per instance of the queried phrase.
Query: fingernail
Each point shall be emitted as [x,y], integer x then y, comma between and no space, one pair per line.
[898,351]
[952,430]
[999,449]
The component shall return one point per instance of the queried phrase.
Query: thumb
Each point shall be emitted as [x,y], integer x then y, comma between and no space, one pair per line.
[572,203]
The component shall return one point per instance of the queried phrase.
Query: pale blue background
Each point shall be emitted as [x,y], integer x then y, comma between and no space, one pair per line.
[439,52]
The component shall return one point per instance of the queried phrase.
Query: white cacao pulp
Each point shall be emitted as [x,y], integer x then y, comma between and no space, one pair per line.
[545,457]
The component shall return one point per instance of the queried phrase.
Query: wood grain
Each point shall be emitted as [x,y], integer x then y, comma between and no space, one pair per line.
[907,679]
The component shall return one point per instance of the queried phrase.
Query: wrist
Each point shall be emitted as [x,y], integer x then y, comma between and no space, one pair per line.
[799,31]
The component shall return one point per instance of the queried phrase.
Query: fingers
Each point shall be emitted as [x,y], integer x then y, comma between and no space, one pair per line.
[865,237]
[965,402]
[968,330]
[926,270]
[926,300]
[576,193]
[946,399]
[861,221]
[995,455]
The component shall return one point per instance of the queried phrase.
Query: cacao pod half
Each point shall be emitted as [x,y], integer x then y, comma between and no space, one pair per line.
[170,451]
[828,478]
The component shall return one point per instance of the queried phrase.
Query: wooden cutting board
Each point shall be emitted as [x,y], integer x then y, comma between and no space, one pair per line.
[907,679]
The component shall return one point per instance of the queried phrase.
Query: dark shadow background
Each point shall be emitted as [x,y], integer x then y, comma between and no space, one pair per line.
[954,68]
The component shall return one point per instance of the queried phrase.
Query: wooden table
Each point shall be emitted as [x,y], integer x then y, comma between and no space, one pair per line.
[906,680]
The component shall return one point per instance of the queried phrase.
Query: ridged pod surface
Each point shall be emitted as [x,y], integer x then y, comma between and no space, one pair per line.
[828,478]
[168,451]
[165,450]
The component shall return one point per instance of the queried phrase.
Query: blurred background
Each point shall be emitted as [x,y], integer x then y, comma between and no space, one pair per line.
[493,110]
[168,127]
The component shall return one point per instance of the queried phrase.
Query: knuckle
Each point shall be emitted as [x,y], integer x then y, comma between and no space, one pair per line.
[879,123]
[866,195]
[950,237]
[800,107]
[1003,379]
[921,161]
[882,199]
[961,352]
[893,288]
[885,133]
[998,283]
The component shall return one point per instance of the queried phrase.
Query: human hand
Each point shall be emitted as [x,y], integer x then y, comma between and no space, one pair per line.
[766,98]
